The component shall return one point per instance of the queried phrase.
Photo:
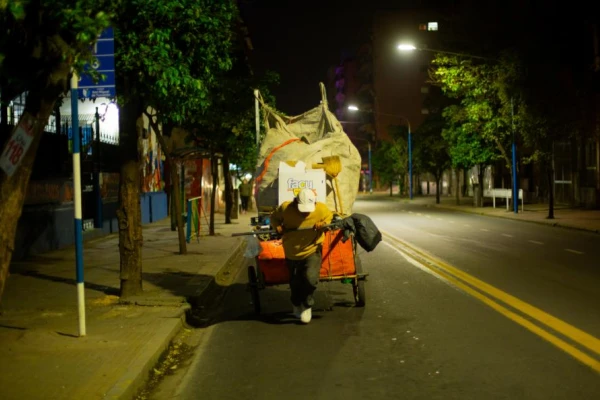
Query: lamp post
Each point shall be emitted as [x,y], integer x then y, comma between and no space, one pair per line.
[515,191]
[410,176]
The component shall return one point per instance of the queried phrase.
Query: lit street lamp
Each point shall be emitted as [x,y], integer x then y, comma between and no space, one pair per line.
[410,177]
[515,195]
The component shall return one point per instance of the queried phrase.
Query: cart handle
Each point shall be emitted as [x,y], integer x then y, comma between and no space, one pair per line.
[334,225]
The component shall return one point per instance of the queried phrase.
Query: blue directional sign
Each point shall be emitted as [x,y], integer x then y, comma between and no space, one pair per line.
[104,50]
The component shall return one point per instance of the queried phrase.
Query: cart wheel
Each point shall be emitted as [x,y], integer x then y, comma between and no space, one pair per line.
[253,286]
[358,286]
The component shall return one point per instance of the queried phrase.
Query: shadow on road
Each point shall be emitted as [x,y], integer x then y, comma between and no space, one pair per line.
[223,304]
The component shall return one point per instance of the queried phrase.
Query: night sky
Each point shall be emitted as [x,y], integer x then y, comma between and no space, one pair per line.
[301,40]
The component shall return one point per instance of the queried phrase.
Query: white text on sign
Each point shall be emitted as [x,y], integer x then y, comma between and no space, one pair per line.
[16,147]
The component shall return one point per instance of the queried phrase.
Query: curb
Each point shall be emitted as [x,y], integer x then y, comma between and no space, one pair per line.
[555,224]
[139,369]
[228,272]
[217,286]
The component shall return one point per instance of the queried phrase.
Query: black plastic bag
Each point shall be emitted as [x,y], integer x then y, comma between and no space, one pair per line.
[366,233]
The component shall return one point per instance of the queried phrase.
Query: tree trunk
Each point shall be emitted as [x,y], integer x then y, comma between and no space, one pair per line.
[228,189]
[480,174]
[437,185]
[465,186]
[3,118]
[214,169]
[391,186]
[457,190]
[130,230]
[129,213]
[14,188]
[550,177]
[175,187]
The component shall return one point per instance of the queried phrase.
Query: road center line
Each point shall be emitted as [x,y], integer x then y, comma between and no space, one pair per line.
[469,283]
[535,242]
[507,235]
[574,251]
[485,230]
[561,344]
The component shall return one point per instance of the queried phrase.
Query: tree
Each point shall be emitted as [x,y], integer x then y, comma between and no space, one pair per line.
[540,71]
[390,159]
[41,43]
[432,150]
[168,54]
[228,127]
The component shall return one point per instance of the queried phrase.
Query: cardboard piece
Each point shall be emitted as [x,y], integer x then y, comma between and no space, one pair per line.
[293,179]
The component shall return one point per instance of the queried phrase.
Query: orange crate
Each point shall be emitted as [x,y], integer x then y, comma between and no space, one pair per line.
[271,262]
[338,259]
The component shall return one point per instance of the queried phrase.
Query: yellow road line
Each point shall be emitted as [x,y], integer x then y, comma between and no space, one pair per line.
[554,323]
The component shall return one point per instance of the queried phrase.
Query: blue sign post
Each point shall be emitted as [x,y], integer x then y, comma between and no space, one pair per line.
[104,50]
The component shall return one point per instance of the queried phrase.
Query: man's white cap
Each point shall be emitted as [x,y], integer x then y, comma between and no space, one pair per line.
[306,200]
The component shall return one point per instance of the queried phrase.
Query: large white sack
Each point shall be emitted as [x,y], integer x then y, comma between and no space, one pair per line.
[308,137]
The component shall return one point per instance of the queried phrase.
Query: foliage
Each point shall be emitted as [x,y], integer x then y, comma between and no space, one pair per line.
[242,141]
[229,124]
[479,126]
[170,52]
[430,148]
[466,146]
[41,36]
[390,158]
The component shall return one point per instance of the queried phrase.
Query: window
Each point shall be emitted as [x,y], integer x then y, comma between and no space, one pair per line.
[432,26]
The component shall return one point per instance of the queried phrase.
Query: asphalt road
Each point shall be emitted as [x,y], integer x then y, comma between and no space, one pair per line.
[496,309]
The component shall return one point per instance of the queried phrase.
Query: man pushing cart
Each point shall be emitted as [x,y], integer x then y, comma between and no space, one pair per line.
[307,179]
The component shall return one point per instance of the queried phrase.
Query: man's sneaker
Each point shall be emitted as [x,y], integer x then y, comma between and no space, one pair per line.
[298,311]
[306,315]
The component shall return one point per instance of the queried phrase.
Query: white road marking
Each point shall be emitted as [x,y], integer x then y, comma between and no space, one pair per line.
[439,219]
[535,242]
[467,226]
[507,235]
[574,251]
[485,230]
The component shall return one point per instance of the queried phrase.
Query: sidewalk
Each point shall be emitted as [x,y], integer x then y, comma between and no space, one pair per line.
[42,357]
[564,216]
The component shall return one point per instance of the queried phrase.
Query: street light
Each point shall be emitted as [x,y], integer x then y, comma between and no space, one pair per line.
[404,47]
[410,178]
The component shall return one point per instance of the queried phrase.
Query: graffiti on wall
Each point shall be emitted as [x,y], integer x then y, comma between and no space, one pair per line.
[49,192]
[193,178]
[152,169]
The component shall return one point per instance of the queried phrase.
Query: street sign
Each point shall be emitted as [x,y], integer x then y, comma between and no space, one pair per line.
[17,146]
[104,50]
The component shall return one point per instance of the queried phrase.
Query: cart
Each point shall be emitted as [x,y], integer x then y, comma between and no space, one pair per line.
[340,262]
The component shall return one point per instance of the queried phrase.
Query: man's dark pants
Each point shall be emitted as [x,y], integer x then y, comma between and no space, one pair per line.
[304,278]
[245,200]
